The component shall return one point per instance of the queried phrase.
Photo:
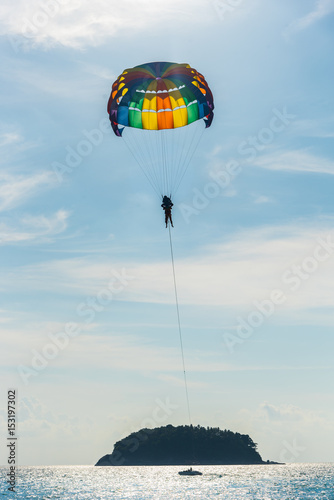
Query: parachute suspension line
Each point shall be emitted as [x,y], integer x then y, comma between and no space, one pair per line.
[163,161]
[154,147]
[151,139]
[139,162]
[169,160]
[183,140]
[164,156]
[139,156]
[189,155]
[179,325]
[172,157]
[180,136]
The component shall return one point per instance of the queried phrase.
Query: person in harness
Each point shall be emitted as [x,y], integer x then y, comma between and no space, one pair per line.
[167,207]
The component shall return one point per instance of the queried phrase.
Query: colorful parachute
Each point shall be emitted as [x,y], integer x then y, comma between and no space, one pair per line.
[159,98]
[159,95]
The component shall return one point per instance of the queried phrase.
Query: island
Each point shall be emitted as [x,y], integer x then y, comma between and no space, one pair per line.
[185,444]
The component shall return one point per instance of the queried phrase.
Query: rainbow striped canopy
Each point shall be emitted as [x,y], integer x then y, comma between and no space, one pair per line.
[159,95]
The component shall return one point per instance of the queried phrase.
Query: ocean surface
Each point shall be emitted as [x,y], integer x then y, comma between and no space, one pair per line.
[260,482]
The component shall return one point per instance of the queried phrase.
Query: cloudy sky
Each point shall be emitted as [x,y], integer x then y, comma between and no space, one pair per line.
[89,334]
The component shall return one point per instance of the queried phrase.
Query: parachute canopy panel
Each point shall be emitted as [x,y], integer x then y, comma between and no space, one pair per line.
[158,96]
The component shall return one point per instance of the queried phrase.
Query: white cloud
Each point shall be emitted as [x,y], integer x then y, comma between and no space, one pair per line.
[288,413]
[320,128]
[230,192]
[101,72]
[298,160]
[9,138]
[37,421]
[231,274]
[33,228]
[259,200]
[287,432]
[81,23]
[3,317]
[113,352]
[277,416]
[12,141]
[322,9]
[33,76]
[16,189]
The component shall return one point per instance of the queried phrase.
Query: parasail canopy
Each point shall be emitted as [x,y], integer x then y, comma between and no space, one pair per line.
[159,97]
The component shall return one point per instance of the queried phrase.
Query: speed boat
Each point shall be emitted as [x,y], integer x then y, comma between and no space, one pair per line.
[190,472]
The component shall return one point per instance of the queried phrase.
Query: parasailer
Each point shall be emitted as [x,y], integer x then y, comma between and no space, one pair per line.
[167,205]
[157,108]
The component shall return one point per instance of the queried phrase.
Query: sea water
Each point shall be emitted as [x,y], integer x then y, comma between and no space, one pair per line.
[257,482]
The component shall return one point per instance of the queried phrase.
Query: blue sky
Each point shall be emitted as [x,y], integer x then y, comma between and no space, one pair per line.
[88,325]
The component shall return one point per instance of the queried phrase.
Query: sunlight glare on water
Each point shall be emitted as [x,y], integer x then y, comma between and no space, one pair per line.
[255,482]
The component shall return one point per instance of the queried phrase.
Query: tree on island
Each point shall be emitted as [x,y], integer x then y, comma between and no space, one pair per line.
[184,444]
